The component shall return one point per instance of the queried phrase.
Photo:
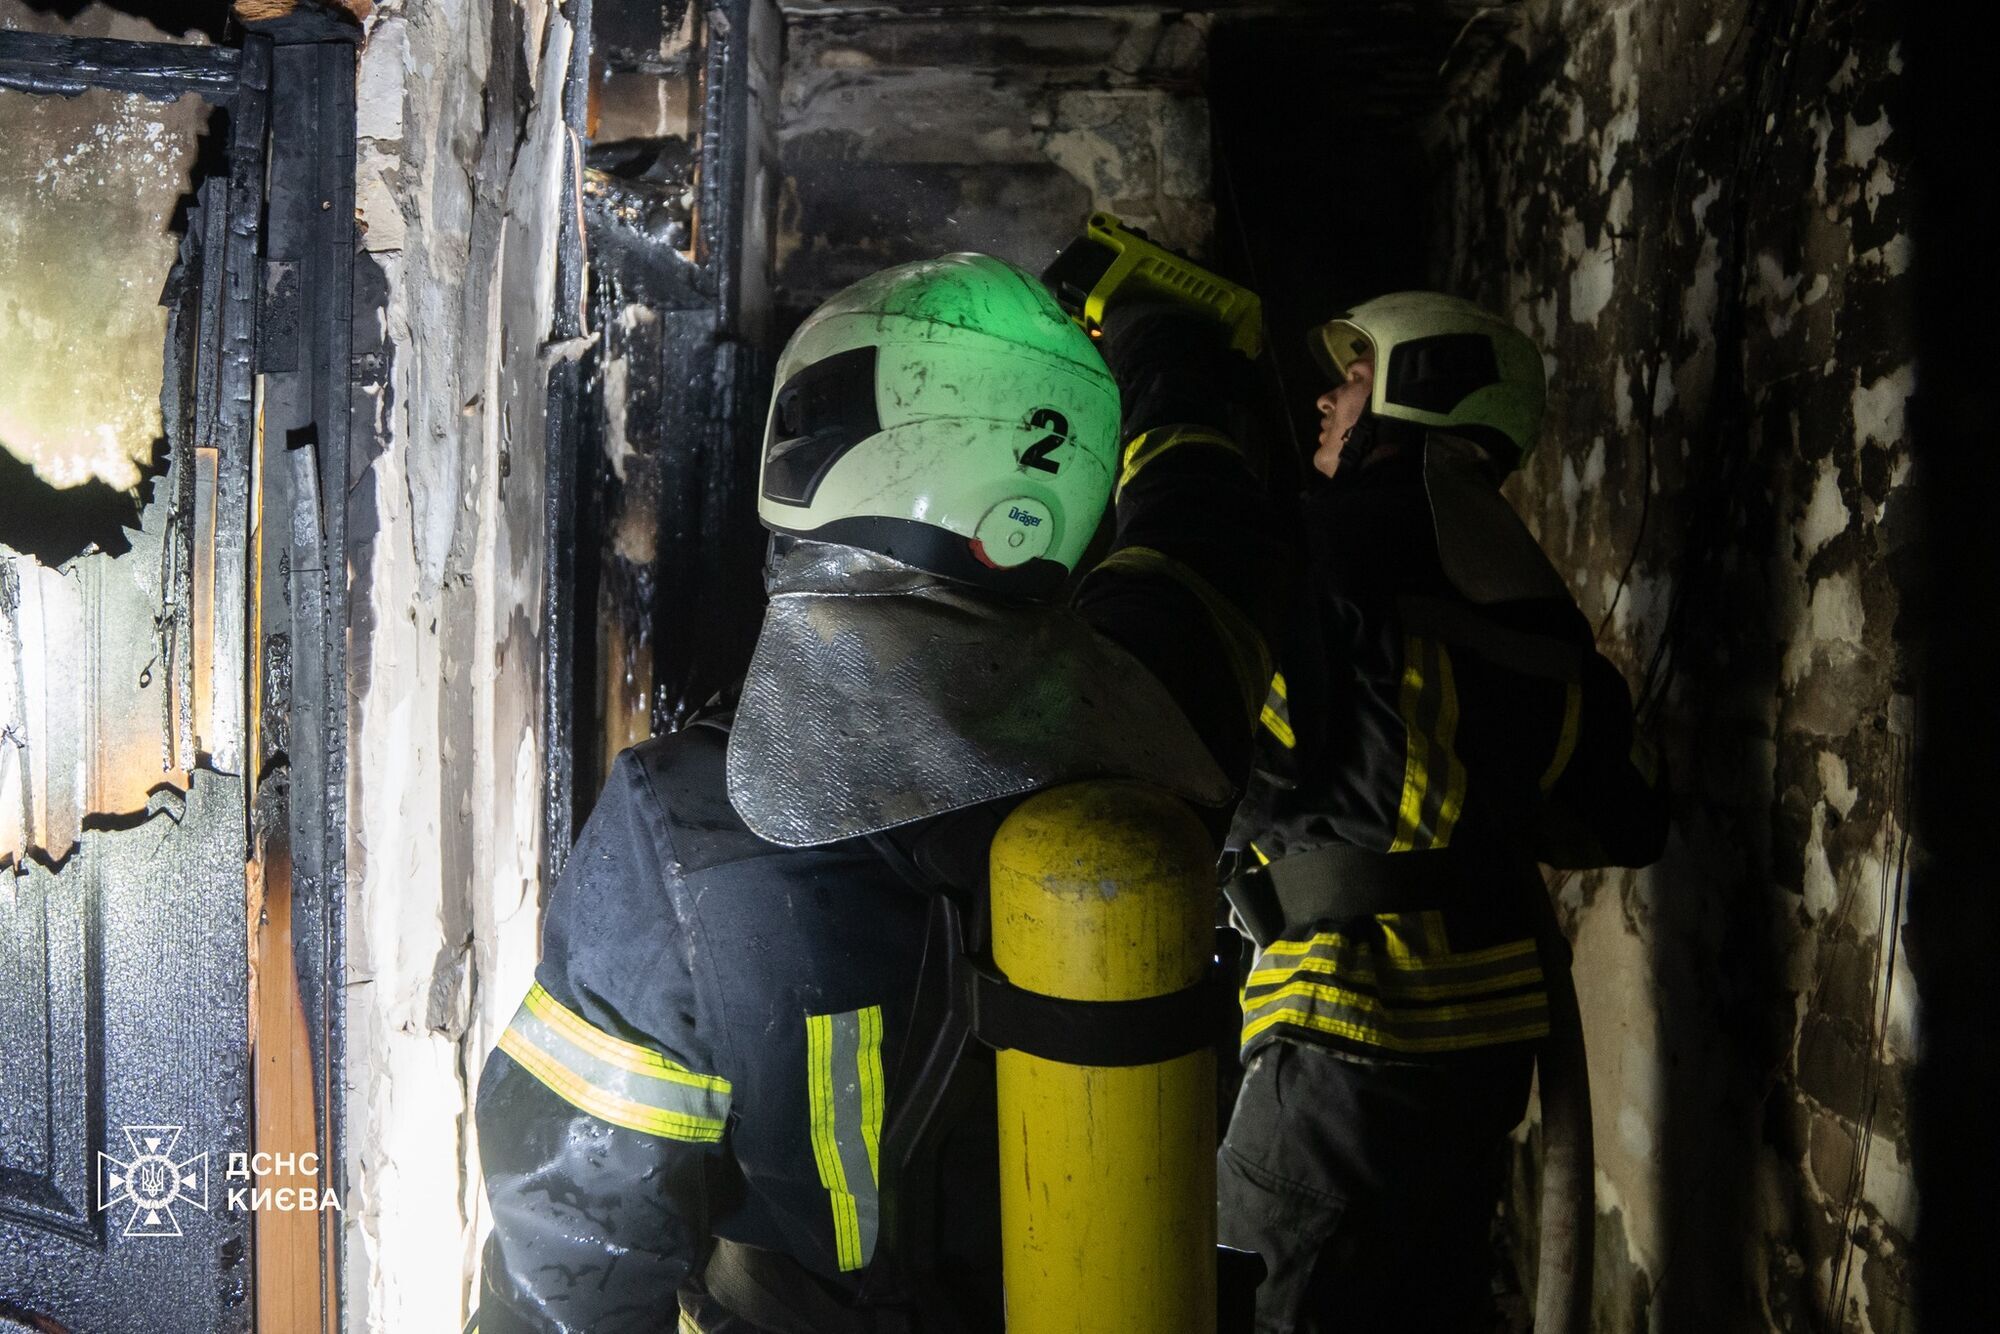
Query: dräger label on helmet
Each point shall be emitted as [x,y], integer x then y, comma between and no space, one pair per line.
[1016,530]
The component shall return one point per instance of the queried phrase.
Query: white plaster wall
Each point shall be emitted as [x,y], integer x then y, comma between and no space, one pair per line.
[460,207]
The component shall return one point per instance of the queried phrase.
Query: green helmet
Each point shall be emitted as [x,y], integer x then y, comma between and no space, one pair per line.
[948,414]
[1441,361]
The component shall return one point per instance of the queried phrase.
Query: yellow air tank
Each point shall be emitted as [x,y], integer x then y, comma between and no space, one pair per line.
[1105,891]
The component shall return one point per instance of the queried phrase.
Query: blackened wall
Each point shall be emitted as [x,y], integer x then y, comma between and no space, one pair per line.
[905,135]
[1700,210]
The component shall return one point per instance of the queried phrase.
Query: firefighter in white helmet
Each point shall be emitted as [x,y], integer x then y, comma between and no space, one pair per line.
[698,1118]
[1440,723]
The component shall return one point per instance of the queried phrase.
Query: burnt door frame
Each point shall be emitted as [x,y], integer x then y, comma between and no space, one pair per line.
[703,363]
[299,826]
[267,375]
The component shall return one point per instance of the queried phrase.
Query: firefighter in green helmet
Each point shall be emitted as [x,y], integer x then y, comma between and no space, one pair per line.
[716,1109]
[1439,725]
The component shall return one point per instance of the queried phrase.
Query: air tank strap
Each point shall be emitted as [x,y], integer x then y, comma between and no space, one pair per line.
[1100,1033]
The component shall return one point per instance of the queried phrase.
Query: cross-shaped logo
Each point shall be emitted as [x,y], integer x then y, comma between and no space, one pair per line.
[153,1181]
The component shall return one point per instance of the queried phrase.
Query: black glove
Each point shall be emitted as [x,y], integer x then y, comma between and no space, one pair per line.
[1174,367]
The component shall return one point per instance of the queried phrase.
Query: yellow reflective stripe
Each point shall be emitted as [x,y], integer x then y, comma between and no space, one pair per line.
[1278,727]
[1362,1018]
[1334,954]
[826,1154]
[845,1097]
[1512,949]
[1565,743]
[1416,749]
[1397,989]
[688,1326]
[573,1027]
[1428,754]
[603,1104]
[1277,714]
[872,1099]
[1428,1016]
[1400,929]
[1395,932]
[1434,934]
[1396,985]
[1447,735]
[1249,659]
[1144,448]
[1376,1037]
[1262,860]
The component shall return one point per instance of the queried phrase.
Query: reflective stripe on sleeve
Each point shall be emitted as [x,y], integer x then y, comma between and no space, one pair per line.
[614,1080]
[1277,714]
[1433,775]
[845,1093]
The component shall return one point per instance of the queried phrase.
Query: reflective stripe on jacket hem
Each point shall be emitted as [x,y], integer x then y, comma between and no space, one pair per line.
[1375,990]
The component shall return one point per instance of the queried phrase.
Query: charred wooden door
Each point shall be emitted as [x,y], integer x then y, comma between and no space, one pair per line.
[125,688]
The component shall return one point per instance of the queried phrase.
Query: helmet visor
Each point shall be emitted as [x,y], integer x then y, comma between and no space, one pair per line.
[1338,344]
[817,416]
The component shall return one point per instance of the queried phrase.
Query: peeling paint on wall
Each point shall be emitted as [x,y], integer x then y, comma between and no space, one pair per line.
[1697,209]
[459,184]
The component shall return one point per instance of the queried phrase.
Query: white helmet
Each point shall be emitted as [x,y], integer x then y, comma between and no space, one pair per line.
[1442,361]
[948,414]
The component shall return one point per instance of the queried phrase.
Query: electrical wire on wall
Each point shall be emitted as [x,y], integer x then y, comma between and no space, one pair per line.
[1890,891]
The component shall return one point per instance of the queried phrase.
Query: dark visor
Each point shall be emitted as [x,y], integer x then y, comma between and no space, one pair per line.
[819,414]
[1435,374]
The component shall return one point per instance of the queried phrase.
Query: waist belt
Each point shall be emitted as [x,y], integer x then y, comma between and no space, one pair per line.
[1340,881]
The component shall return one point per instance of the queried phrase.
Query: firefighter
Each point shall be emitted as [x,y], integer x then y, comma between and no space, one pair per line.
[1440,724]
[697,1114]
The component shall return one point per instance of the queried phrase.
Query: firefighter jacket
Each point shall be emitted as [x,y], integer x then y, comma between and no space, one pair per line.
[1432,706]
[720,1027]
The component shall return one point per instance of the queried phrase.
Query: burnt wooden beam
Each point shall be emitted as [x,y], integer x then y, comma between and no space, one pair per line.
[563,444]
[305,359]
[38,63]
[348,12]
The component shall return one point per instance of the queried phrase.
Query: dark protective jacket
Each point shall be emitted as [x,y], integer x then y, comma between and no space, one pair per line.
[721,1028]
[1439,698]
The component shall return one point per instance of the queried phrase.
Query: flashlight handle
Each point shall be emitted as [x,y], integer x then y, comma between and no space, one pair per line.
[1111,259]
